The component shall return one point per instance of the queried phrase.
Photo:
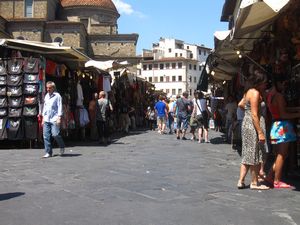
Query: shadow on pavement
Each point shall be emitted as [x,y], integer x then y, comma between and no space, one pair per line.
[217,140]
[7,196]
[68,155]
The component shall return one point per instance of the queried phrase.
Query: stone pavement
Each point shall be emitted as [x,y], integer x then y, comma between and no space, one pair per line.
[141,179]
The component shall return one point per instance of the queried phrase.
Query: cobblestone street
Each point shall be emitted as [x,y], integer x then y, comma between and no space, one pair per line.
[140,179]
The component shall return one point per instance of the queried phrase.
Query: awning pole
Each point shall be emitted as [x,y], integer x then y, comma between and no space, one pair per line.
[254,62]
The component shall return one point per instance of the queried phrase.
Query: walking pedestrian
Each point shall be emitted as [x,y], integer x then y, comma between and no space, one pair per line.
[183,106]
[103,106]
[52,115]
[162,115]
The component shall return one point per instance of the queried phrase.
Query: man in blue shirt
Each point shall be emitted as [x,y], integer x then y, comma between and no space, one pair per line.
[52,113]
[162,114]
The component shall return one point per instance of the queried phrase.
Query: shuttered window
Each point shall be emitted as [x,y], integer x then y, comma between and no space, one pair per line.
[29,8]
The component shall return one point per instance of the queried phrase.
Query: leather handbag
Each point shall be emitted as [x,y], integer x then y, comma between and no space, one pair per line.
[30,100]
[31,78]
[3,70]
[30,111]
[14,90]
[14,112]
[3,80]
[31,65]
[31,89]
[14,80]
[15,101]
[15,66]
[2,90]
[3,102]
[3,112]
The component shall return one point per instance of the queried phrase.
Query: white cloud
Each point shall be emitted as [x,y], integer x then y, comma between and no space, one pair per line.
[127,9]
[123,7]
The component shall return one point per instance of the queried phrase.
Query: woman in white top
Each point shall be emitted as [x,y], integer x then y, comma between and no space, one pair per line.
[202,115]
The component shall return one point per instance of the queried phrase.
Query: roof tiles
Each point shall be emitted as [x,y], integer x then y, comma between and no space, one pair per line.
[107,4]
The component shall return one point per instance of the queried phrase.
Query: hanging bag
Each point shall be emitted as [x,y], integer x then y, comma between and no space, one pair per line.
[14,91]
[3,80]
[31,78]
[3,70]
[15,66]
[14,80]
[31,65]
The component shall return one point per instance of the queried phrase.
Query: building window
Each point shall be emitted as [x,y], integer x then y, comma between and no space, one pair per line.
[150,66]
[150,79]
[179,91]
[155,79]
[144,67]
[170,50]
[179,78]
[190,66]
[180,54]
[190,91]
[191,55]
[173,65]
[173,91]
[200,68]
[176,54]
[188,47]
[161,79]
[173,78]
[161,66]
[28,8]
[20,38]
[167,91]
[167,79]
[204,53]
[199,51]
[59,40]
[195,67]
[85,22]
[195,79]
[167,65]
[180,65]
[155,66]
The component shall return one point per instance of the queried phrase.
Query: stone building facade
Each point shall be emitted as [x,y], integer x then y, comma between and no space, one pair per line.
[87,25]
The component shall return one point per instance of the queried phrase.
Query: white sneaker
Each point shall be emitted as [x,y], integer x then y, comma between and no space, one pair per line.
[62,151]
[47,155]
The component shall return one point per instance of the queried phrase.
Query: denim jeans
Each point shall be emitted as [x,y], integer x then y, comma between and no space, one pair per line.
[52,129]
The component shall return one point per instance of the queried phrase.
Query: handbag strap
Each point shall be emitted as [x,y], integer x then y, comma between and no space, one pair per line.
[199,107]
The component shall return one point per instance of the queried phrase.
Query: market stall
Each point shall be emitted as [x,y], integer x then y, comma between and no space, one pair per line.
[25,66]
[264,35]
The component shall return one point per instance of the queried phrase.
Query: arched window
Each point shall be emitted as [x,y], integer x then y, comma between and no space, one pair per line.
[20,38]
[29,8]
[59,40]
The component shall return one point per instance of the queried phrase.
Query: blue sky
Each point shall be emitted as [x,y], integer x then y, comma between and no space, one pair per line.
[192,21]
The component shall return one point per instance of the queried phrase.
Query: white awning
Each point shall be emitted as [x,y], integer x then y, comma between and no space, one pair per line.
[222,35]
[254,14]
[106,65]
[60,54]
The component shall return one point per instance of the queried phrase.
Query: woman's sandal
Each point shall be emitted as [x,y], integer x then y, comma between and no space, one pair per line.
[281,184]
[259,187]
[262,177]
[241,185]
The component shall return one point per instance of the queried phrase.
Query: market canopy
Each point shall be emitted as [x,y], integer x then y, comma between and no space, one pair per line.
[254,14]
[61,54]
[107,65]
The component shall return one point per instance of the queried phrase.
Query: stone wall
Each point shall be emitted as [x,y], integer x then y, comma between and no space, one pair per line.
[103,29]
[114,49]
